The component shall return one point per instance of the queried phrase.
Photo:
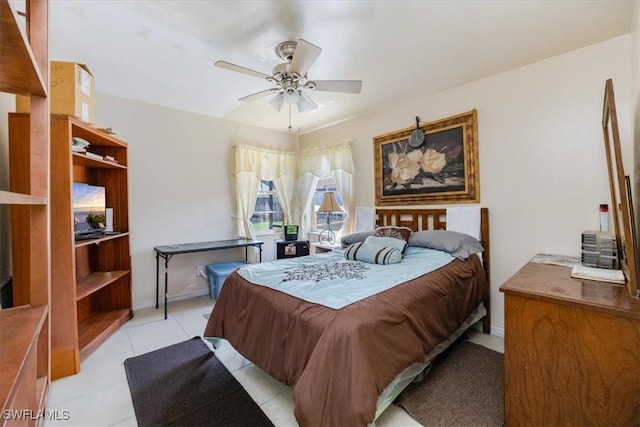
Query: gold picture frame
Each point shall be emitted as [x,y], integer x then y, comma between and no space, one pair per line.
[443,169]
[620,192]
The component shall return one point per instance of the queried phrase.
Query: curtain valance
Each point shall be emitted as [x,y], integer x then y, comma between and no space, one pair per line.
[322,161]
[266,164]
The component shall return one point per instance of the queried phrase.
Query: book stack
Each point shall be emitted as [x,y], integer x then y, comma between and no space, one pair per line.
[599,250]
[599,274]
[94,155]
[79,145]
[110,159]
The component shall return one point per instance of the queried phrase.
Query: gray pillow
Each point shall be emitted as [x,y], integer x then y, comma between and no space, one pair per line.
[352,238]
[460,245]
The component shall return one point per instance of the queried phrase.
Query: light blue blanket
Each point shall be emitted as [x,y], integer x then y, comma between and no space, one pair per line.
[330,280]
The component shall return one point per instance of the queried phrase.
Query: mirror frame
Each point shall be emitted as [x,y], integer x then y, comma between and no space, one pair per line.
[620,192]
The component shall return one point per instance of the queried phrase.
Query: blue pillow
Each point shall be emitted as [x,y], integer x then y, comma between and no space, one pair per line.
[373,254]
[390,242]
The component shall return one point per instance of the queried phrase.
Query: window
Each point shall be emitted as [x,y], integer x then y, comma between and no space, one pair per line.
[337,218]
[267,215]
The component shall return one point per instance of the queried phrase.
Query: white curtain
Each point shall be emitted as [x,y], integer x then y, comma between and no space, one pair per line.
[254,164]
[304,196]
[334,161]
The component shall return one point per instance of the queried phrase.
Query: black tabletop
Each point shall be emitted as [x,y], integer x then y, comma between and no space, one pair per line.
[182,248]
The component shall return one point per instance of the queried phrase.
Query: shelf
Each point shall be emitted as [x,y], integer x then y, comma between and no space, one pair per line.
[96,281]
[96,328]
[11,198]
[82,160]
[19,73]
[95,137]
[81,243]
[19,328]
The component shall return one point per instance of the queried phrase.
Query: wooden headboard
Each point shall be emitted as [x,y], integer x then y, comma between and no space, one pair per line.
[436,219]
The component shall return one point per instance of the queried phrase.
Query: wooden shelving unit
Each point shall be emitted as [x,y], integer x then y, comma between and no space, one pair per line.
[22,74]
[20,382]
[91,279]
[92,287]
[25,329]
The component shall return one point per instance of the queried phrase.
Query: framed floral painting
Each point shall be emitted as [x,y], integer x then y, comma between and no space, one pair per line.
[443,169]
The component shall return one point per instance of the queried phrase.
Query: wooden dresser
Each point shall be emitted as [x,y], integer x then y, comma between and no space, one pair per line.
[572,350]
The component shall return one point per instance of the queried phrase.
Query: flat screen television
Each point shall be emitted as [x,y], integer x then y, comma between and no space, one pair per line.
[89,208]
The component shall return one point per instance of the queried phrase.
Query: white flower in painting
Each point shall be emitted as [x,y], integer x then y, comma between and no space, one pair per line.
[404,167]
[433,161]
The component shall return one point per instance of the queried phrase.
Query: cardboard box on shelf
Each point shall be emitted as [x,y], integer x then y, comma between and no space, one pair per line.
[72,92]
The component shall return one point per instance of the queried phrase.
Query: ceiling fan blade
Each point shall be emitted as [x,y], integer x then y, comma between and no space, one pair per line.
[232,67]
[304,56]
[305,103]
[344,86]
[258,95]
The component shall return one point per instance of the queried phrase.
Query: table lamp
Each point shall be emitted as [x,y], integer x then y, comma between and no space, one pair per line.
[329,204]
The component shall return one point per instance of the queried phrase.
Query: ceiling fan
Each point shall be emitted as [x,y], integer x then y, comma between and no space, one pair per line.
[291,79]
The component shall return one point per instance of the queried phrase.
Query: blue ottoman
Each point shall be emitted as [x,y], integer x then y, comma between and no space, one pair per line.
[218,272]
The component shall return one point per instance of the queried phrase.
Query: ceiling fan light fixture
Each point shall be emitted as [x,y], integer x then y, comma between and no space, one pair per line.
[305,103]
[291,96]
[277,101]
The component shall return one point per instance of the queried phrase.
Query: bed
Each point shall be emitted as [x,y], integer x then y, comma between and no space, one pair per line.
[346,364]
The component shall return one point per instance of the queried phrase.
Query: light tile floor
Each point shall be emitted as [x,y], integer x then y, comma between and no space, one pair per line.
[99,395]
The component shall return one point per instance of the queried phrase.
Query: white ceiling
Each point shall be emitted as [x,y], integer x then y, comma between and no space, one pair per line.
[163,51]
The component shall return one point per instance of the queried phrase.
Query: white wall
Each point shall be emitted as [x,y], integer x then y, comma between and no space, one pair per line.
[543,172]
[542,169]
[180,188]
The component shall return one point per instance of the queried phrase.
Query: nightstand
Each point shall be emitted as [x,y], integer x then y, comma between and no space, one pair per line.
[325,247]
[291,248]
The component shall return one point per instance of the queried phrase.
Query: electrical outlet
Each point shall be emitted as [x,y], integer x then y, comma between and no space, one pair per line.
[200,271]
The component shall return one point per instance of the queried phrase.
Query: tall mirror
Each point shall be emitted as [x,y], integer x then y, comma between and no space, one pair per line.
[620,192]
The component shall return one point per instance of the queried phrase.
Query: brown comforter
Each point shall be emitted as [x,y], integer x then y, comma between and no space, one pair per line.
[340,361]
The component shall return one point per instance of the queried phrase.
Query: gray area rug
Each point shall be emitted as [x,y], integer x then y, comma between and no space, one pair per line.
[465,387]
[186,385]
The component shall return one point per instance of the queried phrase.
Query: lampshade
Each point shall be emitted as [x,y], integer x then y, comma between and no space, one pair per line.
[305,103]
[329,203]
[295,97]
[276,102]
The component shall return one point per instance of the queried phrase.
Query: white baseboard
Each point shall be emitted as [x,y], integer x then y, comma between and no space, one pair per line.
[497,331]
[149,303]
